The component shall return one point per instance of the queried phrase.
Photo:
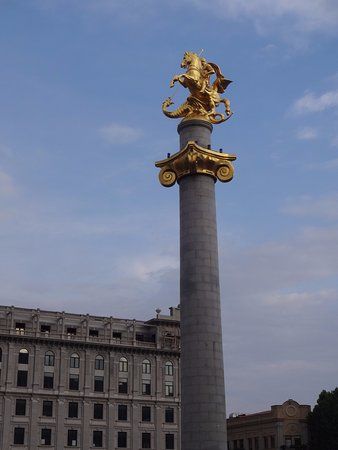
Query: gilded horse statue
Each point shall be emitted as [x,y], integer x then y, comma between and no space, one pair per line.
[204,94]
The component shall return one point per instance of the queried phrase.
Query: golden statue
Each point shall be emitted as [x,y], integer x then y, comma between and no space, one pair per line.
[204,95]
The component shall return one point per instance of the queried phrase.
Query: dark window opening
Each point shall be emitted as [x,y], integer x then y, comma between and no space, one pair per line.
[123,386]
[169,442]
[145,337]
[73,382]
[169,415]
[49,359]
[117,334]
[45,328]
[93,333]
[122,412]
[71,330]
[146,414]
[46,436]
[98,411]
[272,442]
[73,410]
[122,439]
[48,380]
[97,438]
[74,361]
[20,407]
[98,384]
[22,378]
[72,438]
[99,363]
[19,436]
[146,440]
[256,443]
[20,326]
[169,389]
[23,356]
[146,387]
[47,408]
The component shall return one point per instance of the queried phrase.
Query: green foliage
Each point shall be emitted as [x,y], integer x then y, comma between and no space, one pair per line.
[323,422]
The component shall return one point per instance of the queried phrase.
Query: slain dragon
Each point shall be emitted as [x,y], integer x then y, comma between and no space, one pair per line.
[204,94]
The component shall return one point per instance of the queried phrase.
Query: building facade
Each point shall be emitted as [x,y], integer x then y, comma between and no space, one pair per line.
[283,427]
[79,381]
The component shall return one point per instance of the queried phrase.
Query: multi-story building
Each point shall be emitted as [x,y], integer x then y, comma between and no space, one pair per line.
[80,381]
[283,427]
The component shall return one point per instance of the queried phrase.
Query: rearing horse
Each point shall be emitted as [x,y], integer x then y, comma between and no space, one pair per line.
[204,96]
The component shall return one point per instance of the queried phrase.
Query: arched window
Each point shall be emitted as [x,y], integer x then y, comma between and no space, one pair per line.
[146,366]
[74,361]
[169,368]
[49,358]
[123,364]
[99,362]
[23,356]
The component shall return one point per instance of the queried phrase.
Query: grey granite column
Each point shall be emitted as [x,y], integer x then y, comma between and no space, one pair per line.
[203,419]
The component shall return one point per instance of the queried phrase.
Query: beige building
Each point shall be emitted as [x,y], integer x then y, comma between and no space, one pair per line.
[80,381]
[283,427]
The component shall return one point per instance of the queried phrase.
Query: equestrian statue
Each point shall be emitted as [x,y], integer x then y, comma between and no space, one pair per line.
[204,94]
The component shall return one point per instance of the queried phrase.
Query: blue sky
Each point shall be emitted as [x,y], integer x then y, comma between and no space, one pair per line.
[85,225]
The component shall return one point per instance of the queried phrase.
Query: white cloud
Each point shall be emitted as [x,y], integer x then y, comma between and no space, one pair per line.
[307,134]
[325,207]
[331,164]
[7,186]
[116,133]
[310,103]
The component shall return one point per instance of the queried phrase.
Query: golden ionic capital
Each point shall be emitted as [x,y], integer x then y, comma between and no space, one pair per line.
[194,159]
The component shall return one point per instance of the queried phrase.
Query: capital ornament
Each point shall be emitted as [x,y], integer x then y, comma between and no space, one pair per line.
[193,159]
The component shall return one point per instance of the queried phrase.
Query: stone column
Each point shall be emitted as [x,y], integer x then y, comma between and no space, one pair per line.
[196,168]
[202,378]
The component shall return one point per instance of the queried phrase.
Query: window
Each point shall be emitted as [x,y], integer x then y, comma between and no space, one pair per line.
[71,331]
[0,355]
[97,438]
[250,443]
[169,389]
[146,414]
[123,365]
[45,328]
[122,439]
[99,363]
[72,438]
[20,327]
[19,436]
[122,412]
[23,356]
[256,443]
[146,387]
[169,441]
[47,408]
[297,442]
[98,384]
[22,378]
[20,407]
[169,368]
[49,359]
[98,411]
[74,361]
[73,382]
[235,445]
[241,444]
[46,436]
[146,366]
[123,386]
[272,442]
[48,380]
[288,441]
[146,440]
[266,442]
[169,415]
[93,333]
[117,335]
[73,410]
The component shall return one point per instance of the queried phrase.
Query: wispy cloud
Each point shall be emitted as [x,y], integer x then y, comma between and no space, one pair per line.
[7,186]
[311,103]
[331,164]
[307,134]
[324,207]
[116,133]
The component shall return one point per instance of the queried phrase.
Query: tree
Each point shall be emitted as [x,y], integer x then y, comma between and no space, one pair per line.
[323,422]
